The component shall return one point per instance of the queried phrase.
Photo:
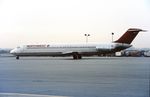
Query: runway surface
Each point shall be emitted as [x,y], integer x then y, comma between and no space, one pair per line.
[62,76]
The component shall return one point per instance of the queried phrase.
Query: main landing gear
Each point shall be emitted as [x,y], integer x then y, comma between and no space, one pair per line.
[77,56]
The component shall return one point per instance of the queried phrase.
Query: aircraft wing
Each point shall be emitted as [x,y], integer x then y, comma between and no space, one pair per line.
[67,53]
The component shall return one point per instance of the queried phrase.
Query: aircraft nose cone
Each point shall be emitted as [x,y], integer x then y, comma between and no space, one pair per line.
[12,51]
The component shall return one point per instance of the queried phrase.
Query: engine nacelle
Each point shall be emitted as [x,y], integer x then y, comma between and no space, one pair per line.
[104,47]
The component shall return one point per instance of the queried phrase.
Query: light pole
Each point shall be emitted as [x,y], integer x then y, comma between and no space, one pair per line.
[86,35]
[112,36]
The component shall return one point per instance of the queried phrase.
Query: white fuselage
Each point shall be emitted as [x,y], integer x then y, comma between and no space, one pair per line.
[66,49]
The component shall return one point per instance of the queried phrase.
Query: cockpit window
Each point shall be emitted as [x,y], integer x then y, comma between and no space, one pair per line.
[18,47]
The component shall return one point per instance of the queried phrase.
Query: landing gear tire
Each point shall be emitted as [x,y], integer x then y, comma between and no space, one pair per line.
[17,57]
[77,56]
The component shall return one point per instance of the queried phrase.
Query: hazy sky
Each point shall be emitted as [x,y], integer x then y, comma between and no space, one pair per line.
[66,21]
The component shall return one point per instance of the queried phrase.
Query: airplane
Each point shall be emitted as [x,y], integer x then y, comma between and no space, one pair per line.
[77,50]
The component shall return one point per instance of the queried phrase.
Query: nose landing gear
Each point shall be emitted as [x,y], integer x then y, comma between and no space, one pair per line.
[17,57]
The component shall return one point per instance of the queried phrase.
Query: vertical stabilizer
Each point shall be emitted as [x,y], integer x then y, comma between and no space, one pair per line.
[129,36]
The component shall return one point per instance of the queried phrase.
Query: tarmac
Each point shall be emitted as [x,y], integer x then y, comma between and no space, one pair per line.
[65,77]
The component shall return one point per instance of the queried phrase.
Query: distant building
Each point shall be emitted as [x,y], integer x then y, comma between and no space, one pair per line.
[133,52]
[3,51]
[147,53]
